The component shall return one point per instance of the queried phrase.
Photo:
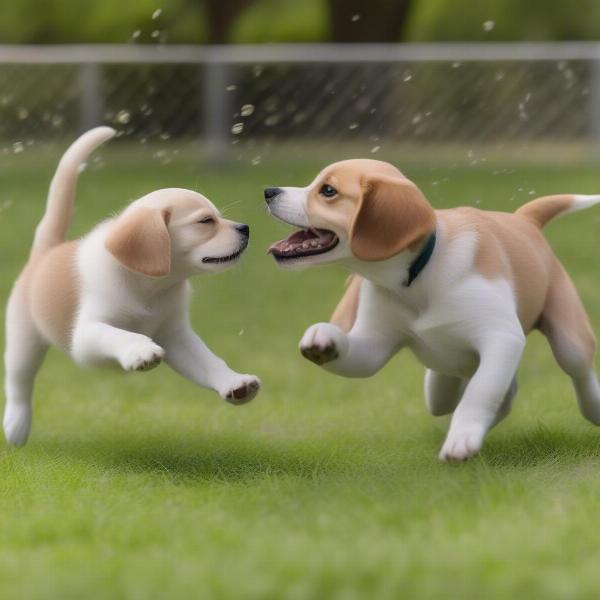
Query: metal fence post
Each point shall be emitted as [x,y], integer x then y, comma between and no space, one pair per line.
[91,101]
[594,102]
[216,110]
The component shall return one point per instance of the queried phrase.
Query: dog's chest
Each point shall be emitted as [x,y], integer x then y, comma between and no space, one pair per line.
[439,343]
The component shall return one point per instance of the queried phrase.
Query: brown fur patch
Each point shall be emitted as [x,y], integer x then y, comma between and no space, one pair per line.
[393,215]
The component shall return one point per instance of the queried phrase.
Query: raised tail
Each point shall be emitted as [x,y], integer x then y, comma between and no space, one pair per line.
[52,229]
[542,210]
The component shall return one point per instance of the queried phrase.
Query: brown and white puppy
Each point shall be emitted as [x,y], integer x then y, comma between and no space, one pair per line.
[119,294]
[461,288]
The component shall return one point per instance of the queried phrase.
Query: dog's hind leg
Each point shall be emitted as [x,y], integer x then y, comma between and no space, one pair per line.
[25,351]
[566,326]
[442,392]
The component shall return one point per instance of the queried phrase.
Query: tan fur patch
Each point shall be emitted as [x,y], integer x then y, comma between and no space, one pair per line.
[344,316]
[54,293]
[508,247]
[140,241]
[542,210]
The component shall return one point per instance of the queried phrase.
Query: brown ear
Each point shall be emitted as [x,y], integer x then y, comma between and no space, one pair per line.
[140,241]
[393,214]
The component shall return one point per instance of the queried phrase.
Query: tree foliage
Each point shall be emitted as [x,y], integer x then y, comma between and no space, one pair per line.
[247,21]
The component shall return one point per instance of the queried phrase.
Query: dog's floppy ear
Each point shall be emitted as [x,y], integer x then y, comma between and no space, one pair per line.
[140,241]
[393,214]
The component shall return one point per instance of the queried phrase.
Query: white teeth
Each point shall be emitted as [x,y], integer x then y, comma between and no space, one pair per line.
[314,243]
[305,245]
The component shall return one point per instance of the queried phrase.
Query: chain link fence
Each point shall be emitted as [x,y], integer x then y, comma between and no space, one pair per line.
[263,96]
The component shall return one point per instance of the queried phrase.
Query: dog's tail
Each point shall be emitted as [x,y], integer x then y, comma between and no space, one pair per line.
[52,229]
[543,210]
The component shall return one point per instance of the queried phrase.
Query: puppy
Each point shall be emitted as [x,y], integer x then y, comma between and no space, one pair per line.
[120,294]
[461,288]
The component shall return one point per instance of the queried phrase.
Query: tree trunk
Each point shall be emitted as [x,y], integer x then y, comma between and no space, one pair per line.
[368,20]
[221,16]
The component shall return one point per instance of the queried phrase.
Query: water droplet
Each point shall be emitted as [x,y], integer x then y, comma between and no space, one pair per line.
[155,33]
[123,117]
[241,332]
[56,120]
[353,126]
[407,76]
[5,205]
[18,147]
[355,17]
[230,88]
[237,128]
[136,34]
[22,113]
[272,120]
[375,149]
[456,64]
[82,167]
[165,136]
[156,14]
[247,110]
[488,25]
[256,161]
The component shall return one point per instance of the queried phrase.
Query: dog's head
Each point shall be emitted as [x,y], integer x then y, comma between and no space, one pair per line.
[175,231]
[363,209]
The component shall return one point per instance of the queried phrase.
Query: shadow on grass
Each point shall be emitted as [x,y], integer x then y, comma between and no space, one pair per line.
[542,446]
[228,458]
[213,457]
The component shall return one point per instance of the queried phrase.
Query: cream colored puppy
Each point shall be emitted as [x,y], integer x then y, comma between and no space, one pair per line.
[120,294]
[461,288]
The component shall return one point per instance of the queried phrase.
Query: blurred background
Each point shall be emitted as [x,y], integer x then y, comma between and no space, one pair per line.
[240,78]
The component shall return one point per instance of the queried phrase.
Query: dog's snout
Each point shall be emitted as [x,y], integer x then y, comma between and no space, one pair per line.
[271,193]
[243,229]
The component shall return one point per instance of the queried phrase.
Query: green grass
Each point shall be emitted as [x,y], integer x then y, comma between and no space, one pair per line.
[145,486]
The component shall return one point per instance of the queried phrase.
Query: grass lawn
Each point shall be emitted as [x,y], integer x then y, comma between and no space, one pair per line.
[144,486]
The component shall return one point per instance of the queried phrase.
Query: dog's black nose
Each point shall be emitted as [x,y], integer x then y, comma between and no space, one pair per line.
[270,193]
[243,229]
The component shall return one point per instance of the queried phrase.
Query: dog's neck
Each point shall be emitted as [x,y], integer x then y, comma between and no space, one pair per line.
[402,272]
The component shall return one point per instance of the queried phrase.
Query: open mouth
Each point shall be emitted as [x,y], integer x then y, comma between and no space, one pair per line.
[225,259]
[306,242]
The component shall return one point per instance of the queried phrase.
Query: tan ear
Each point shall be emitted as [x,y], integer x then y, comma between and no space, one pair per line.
[140,241]
[393,214]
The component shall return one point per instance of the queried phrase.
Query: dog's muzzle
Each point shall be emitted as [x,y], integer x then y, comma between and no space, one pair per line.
[271,193]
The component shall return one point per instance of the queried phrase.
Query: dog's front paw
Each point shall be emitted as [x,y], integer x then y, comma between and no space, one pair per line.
[241,389]
[142,355]
[462,443]
[324,342]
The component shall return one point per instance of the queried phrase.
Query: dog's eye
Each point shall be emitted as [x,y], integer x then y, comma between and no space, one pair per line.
[327,191]
[207,221]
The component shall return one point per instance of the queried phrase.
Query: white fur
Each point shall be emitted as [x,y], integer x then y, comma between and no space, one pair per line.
[581,202]
[291,206]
